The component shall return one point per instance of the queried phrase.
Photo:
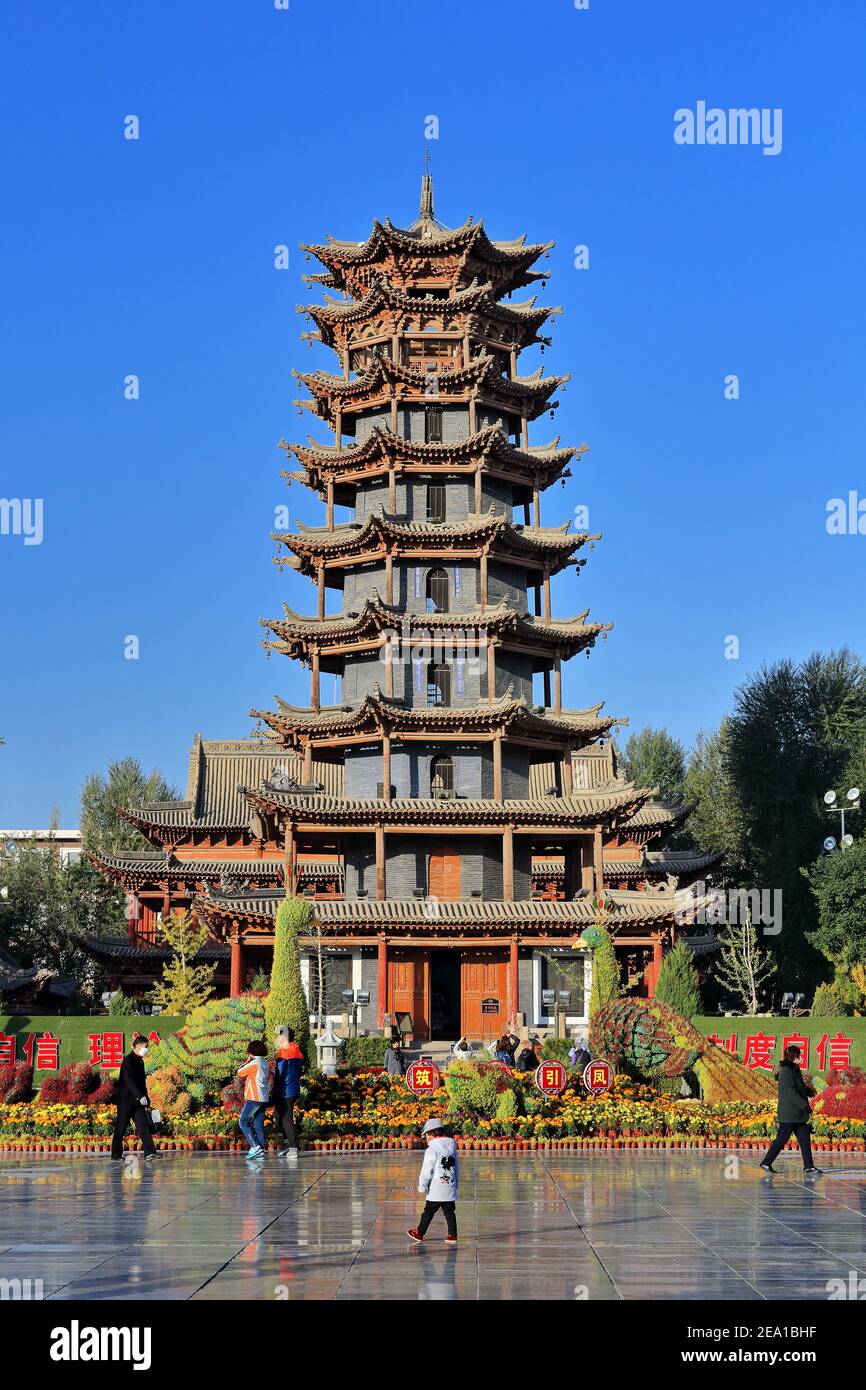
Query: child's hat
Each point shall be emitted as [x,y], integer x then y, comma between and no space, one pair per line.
[431,1125]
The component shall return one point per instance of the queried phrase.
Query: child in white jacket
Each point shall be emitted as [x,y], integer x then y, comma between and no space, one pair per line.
[438,1181]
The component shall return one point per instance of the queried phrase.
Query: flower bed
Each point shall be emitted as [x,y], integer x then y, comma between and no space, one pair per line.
[373,1110]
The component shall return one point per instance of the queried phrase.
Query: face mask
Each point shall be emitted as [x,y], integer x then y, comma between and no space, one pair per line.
[142,1051]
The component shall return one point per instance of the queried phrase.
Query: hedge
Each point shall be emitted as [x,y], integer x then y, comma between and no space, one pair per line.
[812,1028]
[72,1030]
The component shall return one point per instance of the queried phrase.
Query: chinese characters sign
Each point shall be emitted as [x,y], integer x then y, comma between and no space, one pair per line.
[422,1078]
[551,1078]
[42,1053]
[763,1051]
[598,1077]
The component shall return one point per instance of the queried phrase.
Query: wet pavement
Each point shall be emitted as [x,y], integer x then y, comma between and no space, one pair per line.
[701,1226]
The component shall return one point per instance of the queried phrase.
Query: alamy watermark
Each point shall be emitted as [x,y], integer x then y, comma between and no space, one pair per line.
[703,905]
[739,125]
[23,516]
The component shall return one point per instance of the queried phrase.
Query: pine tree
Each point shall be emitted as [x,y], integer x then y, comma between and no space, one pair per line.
[286,1002]
[677,984]
[184,986]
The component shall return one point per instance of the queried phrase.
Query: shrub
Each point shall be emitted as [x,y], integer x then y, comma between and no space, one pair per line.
[556,1050]
[477,1088]
[677,983]
[360,1052]
[16,1083]
[167,1092]
[828,1003]
[287,1003]
[121,1005]
[212,1044]
[78,1084]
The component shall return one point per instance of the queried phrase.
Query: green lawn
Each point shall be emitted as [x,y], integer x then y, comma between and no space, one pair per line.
[73,1030]
[812,1028]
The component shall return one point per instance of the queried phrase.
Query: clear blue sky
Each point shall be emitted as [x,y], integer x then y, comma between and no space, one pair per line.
[260,127]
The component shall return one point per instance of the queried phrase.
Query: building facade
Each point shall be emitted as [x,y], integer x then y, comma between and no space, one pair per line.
[454,824]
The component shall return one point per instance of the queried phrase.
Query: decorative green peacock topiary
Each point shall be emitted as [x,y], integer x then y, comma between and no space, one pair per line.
[211,1046]
[649,1040]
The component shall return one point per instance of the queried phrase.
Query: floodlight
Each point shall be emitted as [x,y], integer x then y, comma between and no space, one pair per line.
[847,841]
[829,798]
[854,794]
[829,843]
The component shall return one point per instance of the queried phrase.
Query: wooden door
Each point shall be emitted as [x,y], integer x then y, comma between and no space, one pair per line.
[443,874]
[409,988]
[484,984]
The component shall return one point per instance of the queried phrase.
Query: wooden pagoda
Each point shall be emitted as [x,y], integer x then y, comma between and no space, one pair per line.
[452,821]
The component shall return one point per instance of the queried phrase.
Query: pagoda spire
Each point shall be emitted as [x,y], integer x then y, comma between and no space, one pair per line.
[425,210]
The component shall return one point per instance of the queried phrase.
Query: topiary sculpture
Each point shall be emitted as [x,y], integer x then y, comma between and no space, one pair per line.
[648,1040]
[211,1046]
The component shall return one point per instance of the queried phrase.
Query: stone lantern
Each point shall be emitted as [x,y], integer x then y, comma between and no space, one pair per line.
[328,1046]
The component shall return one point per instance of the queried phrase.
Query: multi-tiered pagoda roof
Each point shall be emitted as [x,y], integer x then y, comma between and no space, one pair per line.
[450,801]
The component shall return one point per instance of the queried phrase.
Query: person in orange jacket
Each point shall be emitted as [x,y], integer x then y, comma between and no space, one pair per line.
[286,1090]
[254,1073]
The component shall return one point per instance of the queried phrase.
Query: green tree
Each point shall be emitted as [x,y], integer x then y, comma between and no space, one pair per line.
[286,1003]
[49,906]
[184,986]
[717,820]
[678,983]
[653,758]
[793,734]
[838,883]
[103,828]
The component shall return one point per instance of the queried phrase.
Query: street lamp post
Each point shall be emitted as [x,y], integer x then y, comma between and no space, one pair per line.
[833,804]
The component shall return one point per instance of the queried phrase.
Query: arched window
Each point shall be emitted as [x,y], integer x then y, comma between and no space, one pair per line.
[438,683]
[437,591]
[442,776]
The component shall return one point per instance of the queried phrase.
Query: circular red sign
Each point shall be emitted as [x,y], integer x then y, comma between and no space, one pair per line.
[598,1077]
[551,1078]
[422,1078]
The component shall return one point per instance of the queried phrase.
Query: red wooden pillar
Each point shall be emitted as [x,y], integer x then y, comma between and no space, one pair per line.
[654,969]
[236,985]
[513,981]
[382,981]
[133,912]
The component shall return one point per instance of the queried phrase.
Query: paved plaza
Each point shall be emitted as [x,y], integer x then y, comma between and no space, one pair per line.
[596,1226]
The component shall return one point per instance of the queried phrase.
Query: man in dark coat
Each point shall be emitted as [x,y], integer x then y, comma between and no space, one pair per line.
[794,1113]
[133,1102]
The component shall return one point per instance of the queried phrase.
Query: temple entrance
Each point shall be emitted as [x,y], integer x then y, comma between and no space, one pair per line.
[444,995]
[409,988]
[443,874]
[484,990]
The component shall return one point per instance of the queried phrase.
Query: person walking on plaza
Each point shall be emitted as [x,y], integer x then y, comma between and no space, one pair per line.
[438,1182]
[252,1117]
[794,1114]
[395,1062]
[133,1102]
[286,1089]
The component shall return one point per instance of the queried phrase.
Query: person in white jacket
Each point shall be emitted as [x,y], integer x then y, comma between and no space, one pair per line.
[438,1182]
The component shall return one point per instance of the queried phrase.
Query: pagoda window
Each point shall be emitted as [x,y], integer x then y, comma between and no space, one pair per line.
[437,591]
[433,424]
[435,501]
[442,777]
[438,683]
